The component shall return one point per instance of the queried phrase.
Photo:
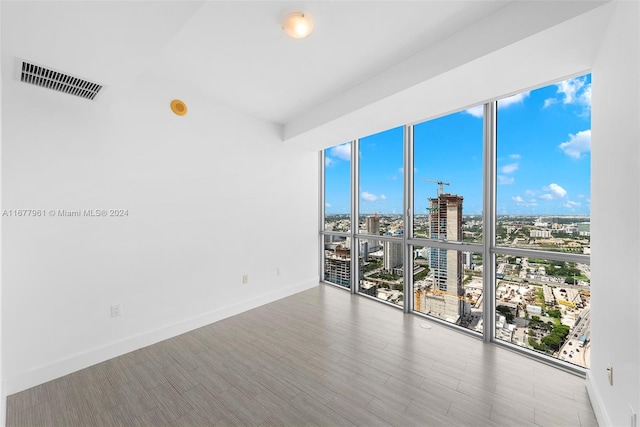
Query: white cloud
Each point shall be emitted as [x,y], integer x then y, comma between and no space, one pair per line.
[578,144]
[328,162]
[342,151]
[521,202]
[328,205]
[509,168]
[571,204]
[570,88]
[511,100]
[369,197]
[585,96]
[574,91]
[515,156]
[477,111]
[505,180]
[383,197]
[554,192]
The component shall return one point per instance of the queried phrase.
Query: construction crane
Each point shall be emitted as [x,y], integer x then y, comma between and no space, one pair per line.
[440,183]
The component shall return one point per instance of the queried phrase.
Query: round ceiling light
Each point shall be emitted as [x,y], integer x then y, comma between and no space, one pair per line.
[297,25]
[178,107]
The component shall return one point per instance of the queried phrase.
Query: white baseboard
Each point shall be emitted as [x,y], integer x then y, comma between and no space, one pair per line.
[596,402]
[74,363]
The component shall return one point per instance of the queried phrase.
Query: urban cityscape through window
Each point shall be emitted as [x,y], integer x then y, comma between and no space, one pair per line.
[428,250]
[543,205]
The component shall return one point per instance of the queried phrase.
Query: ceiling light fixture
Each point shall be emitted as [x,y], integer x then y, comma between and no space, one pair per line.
[178,107]
[297,25]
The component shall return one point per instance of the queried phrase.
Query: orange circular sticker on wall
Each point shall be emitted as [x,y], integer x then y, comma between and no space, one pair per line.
[178,107]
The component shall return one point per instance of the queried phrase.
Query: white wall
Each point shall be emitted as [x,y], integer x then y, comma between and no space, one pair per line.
[3,399]
[211,196]
[615,229]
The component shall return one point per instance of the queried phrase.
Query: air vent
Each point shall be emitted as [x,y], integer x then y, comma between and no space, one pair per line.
[45,77]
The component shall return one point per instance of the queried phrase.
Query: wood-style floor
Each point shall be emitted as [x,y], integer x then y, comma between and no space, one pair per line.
[318,358]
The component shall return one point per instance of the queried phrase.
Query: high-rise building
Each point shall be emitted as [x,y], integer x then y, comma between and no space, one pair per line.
[392,256]
[467,260]
[364,250]
[445,223]
[337,266]
[373,224]
[373,227]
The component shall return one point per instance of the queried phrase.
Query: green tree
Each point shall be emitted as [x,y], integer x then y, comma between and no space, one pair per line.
[421,275]
[562,330]
[552,341]
[506,312]
[554,313]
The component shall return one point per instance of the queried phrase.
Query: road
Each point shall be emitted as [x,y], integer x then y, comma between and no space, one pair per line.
[575,353]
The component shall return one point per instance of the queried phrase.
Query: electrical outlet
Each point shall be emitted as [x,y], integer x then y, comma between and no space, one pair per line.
[245,279]
[610,373]
[116,310]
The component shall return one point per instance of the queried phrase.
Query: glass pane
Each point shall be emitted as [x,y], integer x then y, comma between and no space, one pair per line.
[448,285]
[544,305]
[381,184]
[448,177]
[544,175]
[337,188]
[337,260]
[382,271]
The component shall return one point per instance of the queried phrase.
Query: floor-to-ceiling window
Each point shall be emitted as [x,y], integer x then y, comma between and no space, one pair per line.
[543,218]
[337,215]
[447,213]
[478,219]
[380,216]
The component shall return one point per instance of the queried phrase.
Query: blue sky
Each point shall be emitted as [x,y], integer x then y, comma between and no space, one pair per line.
[543,158]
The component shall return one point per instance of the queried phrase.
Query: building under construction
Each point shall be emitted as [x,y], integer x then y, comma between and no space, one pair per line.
[337,266]
[445,297]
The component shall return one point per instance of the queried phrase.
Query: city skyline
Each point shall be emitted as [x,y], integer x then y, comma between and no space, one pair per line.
[543,158]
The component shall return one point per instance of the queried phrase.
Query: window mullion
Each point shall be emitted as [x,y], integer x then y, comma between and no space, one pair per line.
[408,218]
[489,221]
[355,214]
[321,218]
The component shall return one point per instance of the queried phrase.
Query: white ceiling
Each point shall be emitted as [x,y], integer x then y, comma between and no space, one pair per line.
[234,51]
[345,79]
[237,51]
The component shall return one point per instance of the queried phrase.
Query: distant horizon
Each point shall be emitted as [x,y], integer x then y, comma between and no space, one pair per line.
[577,215]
